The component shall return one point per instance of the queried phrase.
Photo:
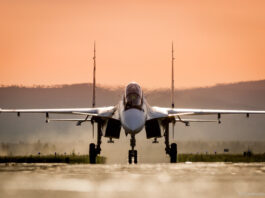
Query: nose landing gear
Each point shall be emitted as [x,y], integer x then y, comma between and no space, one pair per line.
[132,153]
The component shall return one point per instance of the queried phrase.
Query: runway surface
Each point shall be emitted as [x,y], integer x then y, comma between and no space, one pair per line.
[142,180]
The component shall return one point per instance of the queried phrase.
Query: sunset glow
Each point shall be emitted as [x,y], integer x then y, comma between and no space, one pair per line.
[51,42]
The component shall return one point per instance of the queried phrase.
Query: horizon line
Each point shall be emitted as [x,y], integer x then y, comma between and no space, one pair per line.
[122,86]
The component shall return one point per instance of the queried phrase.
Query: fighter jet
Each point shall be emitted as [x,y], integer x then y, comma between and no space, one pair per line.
[133,114]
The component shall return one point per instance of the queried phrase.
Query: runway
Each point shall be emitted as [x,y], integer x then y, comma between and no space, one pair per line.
[142,180]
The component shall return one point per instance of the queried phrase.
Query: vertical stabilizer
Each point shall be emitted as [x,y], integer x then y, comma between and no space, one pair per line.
[94,78]
[172,78]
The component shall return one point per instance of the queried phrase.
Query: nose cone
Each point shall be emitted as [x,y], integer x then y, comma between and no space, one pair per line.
[133,120]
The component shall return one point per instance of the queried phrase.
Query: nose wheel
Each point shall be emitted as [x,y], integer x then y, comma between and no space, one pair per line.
[132,155]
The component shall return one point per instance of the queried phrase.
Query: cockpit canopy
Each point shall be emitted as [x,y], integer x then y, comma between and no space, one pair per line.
[133,96]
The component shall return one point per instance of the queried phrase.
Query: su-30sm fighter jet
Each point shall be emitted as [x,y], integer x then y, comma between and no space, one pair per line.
[133,114]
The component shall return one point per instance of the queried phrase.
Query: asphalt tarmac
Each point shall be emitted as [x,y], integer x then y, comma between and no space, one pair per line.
[142,180]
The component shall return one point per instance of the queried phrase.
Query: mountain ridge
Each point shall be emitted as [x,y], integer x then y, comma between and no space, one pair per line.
[120,86]
[243,95]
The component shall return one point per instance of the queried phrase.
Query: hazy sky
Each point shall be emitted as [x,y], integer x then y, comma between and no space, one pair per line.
[51,42]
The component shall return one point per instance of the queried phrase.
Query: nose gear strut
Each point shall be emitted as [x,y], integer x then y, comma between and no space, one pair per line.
[132,153]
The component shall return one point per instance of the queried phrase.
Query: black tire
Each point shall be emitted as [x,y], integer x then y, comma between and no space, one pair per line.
[135,157]
[173,153]
[130,157]
[92,153]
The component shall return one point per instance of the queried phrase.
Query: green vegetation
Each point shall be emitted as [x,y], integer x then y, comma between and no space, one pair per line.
[84,159]
[70,159]
[235,158]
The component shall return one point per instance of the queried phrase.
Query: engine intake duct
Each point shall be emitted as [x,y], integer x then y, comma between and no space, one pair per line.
[152,128]
[113,128]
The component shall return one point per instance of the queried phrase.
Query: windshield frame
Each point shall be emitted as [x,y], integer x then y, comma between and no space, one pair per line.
[133,97]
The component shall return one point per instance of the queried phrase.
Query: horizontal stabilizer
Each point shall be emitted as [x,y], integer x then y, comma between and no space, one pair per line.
[69,120]
[194,120]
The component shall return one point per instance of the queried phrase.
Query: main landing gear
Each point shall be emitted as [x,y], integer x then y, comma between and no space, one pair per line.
[132,153]
[171,150]
[94,150]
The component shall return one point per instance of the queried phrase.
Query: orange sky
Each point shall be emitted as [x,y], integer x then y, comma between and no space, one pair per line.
[51,41]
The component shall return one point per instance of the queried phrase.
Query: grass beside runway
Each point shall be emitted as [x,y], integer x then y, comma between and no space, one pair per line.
[235,158]
[84,159]
[70,159]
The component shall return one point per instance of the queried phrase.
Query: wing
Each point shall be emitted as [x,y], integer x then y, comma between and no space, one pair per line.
[160,112]
[101,112]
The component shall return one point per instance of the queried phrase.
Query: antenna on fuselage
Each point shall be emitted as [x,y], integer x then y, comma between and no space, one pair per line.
[172,86]
[94,77]
[172,77]
[94,85]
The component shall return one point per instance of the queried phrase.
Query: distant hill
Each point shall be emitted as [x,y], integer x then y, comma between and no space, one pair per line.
[243,95]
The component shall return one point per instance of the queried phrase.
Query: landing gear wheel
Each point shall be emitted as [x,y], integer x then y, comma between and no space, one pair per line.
[135,156]
[132,155]
[92,153]
[173,153]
